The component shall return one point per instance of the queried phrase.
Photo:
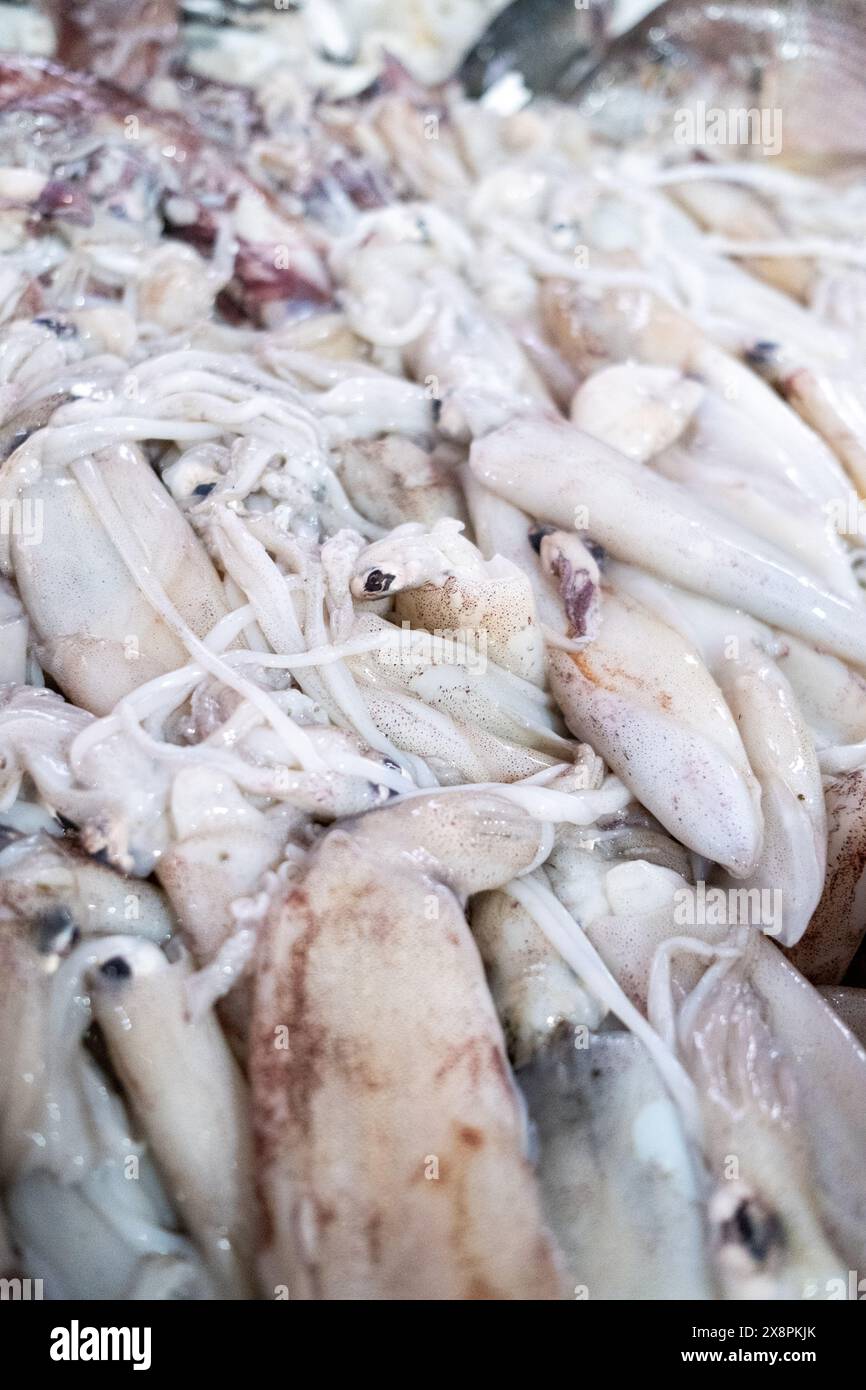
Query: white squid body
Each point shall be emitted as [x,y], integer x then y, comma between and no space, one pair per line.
[794,850]
[534,990]
[778,1075]
[738,212]
[393,481]
[831,695]
[221,845]
[768,1235]
[697,438]
[14,636]
[470,720]
[834,404]
[51,893]
[595,328]
[629,907]
[640,694]
[66,1149]
[389,1134]
[741,472]
[95,631]
[23,1017]
[468,360]
[817,367]
[556,473]
[830,1070]
[638,410]
[793,857]
[189,1096]
[49,879]
[441,583]
[620,1183]
[480,371]
[116,795]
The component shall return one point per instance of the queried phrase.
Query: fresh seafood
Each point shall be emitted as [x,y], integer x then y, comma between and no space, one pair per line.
[538,42]
[681,51]
[455,1141]
[433,652]
[102,39]
[616,1172]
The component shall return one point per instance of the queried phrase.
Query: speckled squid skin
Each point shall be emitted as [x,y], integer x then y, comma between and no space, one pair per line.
[390,1139]
[558,474]
[644,699]
[97,648]
[835,932]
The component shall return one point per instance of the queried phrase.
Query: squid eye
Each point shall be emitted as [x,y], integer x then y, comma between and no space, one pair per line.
[377,582]
[536,536]
[8,836]
[762,353]
[56,932]
[116,969]
[59,327]
[754,1229]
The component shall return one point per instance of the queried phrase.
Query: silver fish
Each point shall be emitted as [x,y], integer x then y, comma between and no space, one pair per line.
[802,58]
[540,40]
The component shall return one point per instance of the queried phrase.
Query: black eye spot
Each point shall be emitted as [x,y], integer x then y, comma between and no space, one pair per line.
[761,354]
[8,835]
[537,534]
[54,924]
[377,582]
[203,489]
[58,327]
[115,969]
[758,1230]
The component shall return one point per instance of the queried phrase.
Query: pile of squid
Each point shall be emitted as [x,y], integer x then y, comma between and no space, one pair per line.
[432,694]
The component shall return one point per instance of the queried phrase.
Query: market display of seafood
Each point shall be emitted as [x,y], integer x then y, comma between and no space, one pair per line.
[433,649]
